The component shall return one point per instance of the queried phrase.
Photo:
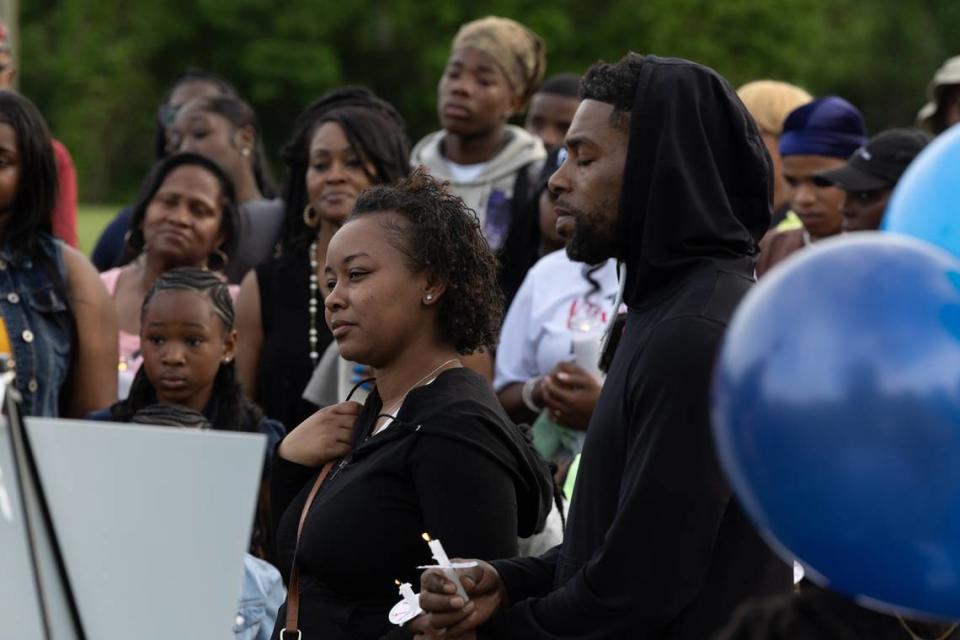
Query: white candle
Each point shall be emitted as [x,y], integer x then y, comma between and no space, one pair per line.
[408,608]
[443,562]
[586,351]
[406,590]
[438,553]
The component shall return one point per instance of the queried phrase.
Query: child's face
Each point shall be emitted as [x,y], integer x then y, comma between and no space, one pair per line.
[184,342]
[474,95]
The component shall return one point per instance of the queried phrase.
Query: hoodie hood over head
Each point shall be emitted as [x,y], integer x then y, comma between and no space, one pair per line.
[697,182]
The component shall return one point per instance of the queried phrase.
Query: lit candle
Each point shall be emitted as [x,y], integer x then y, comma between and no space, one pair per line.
[408,608]
[443,562]
[586,349]
[406,590]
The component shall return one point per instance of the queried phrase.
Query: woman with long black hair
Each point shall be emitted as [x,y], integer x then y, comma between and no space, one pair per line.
[50,294]
[344,142]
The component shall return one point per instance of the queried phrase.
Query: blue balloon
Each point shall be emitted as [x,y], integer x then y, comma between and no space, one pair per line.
[926,201]
[836,413]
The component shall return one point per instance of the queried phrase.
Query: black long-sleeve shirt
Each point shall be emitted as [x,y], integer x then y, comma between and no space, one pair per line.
[451,465]
[656,546]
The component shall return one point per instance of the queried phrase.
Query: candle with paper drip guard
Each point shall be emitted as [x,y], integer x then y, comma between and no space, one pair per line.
[448,568]
[408,608]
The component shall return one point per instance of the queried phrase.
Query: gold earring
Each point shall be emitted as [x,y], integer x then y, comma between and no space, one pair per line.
[310,217]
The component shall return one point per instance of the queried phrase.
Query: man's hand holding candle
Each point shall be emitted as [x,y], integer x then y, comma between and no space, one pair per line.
[447,611]
[324,436]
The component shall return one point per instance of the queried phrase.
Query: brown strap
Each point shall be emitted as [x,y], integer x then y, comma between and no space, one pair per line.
[293,589]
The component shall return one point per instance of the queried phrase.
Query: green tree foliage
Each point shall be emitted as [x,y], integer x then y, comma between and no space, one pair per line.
[98,69]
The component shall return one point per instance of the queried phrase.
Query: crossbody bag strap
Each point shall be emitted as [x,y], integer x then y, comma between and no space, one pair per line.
[291,628]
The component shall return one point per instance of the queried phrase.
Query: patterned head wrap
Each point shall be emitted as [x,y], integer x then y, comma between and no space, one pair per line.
[519,52]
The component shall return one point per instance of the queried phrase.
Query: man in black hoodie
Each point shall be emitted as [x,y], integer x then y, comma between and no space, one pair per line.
[666,172]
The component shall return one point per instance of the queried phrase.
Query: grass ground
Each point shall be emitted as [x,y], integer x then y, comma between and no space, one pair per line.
[91,219]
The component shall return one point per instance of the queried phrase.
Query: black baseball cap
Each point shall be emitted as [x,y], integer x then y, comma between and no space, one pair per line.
[879,163]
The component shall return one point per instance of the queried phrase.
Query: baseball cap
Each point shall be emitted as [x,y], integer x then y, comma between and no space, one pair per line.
[879,163]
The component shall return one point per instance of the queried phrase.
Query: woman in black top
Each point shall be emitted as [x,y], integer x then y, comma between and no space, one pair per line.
[344,142]
[412,286]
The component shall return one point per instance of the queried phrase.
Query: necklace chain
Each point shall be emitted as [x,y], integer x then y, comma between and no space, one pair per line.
[396,406]
[313,305]
[943,636]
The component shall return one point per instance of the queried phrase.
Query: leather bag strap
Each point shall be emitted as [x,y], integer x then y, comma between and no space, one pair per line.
[291,628]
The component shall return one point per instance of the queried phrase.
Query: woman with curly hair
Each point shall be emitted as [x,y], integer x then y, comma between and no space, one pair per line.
[412,288]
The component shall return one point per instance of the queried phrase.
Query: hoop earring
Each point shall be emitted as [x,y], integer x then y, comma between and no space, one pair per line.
[310,217]
[222,258]
[127,243]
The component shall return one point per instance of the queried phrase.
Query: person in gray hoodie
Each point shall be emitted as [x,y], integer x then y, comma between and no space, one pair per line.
[495,66]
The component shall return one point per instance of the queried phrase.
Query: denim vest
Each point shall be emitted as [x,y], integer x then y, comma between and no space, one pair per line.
[39,324]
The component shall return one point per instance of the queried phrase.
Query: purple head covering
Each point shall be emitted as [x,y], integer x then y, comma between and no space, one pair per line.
[828,126]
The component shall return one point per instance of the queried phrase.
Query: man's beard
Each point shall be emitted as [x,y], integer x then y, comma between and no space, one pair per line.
[593,240]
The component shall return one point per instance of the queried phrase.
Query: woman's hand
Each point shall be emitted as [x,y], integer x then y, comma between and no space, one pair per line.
[324,436]
[569,393]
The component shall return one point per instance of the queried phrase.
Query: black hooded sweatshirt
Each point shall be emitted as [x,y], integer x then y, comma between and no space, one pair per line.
[451,465]
[655,545]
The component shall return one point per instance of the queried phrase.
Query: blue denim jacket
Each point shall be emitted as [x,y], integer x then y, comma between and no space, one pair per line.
[262,595]
[40,326]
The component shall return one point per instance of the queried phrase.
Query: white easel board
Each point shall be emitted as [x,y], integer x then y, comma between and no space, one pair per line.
[152,523]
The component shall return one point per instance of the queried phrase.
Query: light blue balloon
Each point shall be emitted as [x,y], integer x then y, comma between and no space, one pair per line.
[926,202]
[836,413]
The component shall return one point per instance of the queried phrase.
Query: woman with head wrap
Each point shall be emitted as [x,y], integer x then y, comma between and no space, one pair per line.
[816,137]
[495,66]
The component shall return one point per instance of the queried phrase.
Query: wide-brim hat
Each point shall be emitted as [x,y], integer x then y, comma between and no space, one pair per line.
[947,74]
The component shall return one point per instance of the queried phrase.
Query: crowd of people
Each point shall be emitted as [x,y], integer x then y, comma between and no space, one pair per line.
[391,313]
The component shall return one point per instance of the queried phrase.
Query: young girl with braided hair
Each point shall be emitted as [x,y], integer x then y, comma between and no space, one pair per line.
[188,339]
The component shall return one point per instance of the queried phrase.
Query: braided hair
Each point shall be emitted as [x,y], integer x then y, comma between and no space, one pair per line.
[375,131]
[228,410]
